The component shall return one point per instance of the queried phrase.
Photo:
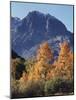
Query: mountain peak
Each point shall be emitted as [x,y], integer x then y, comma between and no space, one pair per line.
[35,12]
[35,28]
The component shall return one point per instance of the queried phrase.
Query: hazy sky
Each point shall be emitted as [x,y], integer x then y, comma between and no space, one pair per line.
[63,12]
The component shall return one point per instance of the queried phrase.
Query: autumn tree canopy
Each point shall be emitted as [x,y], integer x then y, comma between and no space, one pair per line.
[39,73]
[64,64]
[44,54]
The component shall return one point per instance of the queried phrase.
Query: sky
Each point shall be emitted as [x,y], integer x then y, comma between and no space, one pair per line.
[62,12]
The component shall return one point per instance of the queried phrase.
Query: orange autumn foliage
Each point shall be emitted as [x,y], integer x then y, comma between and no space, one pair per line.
[63,67]
[44,54]
[24,78]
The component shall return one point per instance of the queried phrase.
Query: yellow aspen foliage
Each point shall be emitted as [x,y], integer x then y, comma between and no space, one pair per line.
[24,78]
[44,54]
[64,65]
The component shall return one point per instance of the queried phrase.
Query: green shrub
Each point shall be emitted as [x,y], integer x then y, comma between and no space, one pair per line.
[58,85]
